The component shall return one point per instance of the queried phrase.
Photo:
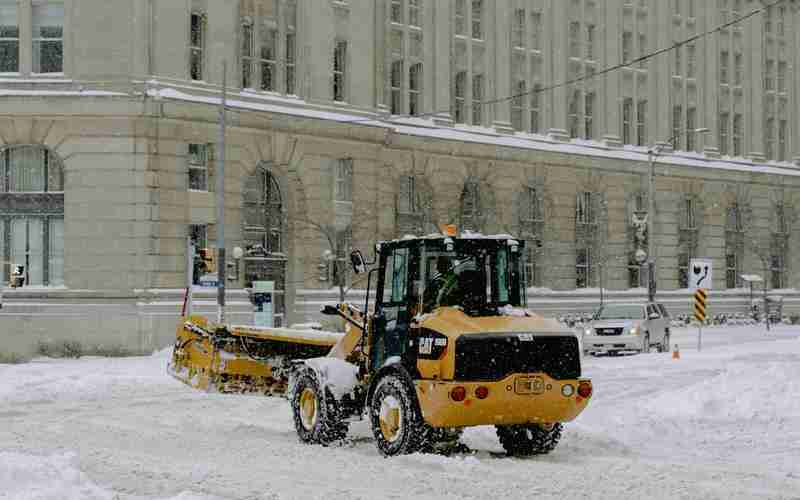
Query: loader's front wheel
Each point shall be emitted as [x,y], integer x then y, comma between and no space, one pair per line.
[532,439]
[317,416]
[395,417]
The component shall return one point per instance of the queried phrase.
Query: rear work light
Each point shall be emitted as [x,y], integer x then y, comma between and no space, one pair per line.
[481,392]
[585,389]
[458,393]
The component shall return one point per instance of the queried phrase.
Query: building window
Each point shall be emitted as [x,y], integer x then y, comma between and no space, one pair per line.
[731,270]
[779,21]
[470,206]
[588,114]
[574,39]
[769,79]
[477,19]
[532,211]
[724,118]
[782,76]
[9,37]
[533,274]
[48,37]
[415,89]
[518,32]
[535,108]
[461,17]
[781,227]
[691,119]
[677,126]
[574,113]
[627,47]
[768,19]
[198,236]
[517,102]
[197,42]
[397,11]
[769,138]
[738,68]
[344,180]
[723,67]
[691,58]
[641,120]
[198,167]
[590,39]
[32,218]
[248,49]
[396,82]
[676,61]
[782,131]
[268,58]
[627,120]
[689,215]
[263,211]
[536,30]
[339,70]
[584,211]
[634,272]
[683,270]
[776,271]
[583,267]
[733,219]
[414,8]
[291,49]
[642,50]
[477,99]
[737,134]
[460,97]
[407,202]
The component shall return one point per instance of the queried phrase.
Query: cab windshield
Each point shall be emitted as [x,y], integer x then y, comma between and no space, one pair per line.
[620,312]
[477,275]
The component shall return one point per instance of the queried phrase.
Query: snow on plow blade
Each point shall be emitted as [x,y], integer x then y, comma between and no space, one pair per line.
[242,359]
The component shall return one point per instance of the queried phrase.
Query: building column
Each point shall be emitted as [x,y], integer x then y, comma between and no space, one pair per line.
[612,82]
[501,66]
[754,60]
[709,73]
[441,60]
[660,75]
[557,48]
[794,96]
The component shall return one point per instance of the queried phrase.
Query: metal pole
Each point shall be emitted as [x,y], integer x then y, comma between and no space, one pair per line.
[220,173]
[189,274]
[651,289]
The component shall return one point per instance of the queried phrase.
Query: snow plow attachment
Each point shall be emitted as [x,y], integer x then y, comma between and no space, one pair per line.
[242,359]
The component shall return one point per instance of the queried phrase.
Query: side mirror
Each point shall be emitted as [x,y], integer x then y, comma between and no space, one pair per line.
[357,260]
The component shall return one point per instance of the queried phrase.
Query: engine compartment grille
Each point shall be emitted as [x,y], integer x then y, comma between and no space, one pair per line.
[608,331]
[493,356]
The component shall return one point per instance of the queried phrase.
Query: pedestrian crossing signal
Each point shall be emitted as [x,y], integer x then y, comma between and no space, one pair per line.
[700,297]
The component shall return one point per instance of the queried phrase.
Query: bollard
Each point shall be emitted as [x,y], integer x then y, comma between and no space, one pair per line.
[676,353]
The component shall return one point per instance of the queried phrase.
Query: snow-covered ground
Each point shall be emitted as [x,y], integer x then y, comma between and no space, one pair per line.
[721,423]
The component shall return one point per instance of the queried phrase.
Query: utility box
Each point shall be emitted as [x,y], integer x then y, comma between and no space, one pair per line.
[263,299]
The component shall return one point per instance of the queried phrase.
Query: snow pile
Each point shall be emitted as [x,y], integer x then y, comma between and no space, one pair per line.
[58,477]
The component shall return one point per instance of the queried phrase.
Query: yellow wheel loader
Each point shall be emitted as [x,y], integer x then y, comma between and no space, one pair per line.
[448,345]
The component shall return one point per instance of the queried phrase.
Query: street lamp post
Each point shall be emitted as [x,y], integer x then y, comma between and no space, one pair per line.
[652,154]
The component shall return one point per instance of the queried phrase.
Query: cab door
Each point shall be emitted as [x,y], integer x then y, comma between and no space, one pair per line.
[392,310]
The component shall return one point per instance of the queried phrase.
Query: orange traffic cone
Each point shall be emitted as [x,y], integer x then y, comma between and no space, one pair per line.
[676,353]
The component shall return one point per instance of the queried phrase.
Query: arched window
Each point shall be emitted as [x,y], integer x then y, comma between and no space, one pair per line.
[32,215]
[263,211]
[470,206]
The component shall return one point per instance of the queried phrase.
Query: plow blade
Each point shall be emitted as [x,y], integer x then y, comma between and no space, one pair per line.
[242,359]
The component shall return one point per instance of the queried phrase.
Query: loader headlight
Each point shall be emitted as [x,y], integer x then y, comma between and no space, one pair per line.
[567,390]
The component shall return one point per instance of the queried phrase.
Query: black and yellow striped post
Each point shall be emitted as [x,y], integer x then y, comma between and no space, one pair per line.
[700,296]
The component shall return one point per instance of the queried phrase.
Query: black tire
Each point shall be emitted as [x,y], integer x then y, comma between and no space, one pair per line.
[395,417]
[531,439]
[664,345]
[317,416]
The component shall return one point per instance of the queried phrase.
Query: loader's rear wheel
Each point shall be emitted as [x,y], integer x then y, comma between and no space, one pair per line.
[317,416]
[395,417]
[532,439]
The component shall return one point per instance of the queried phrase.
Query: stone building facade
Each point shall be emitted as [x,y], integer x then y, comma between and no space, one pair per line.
[360,120]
